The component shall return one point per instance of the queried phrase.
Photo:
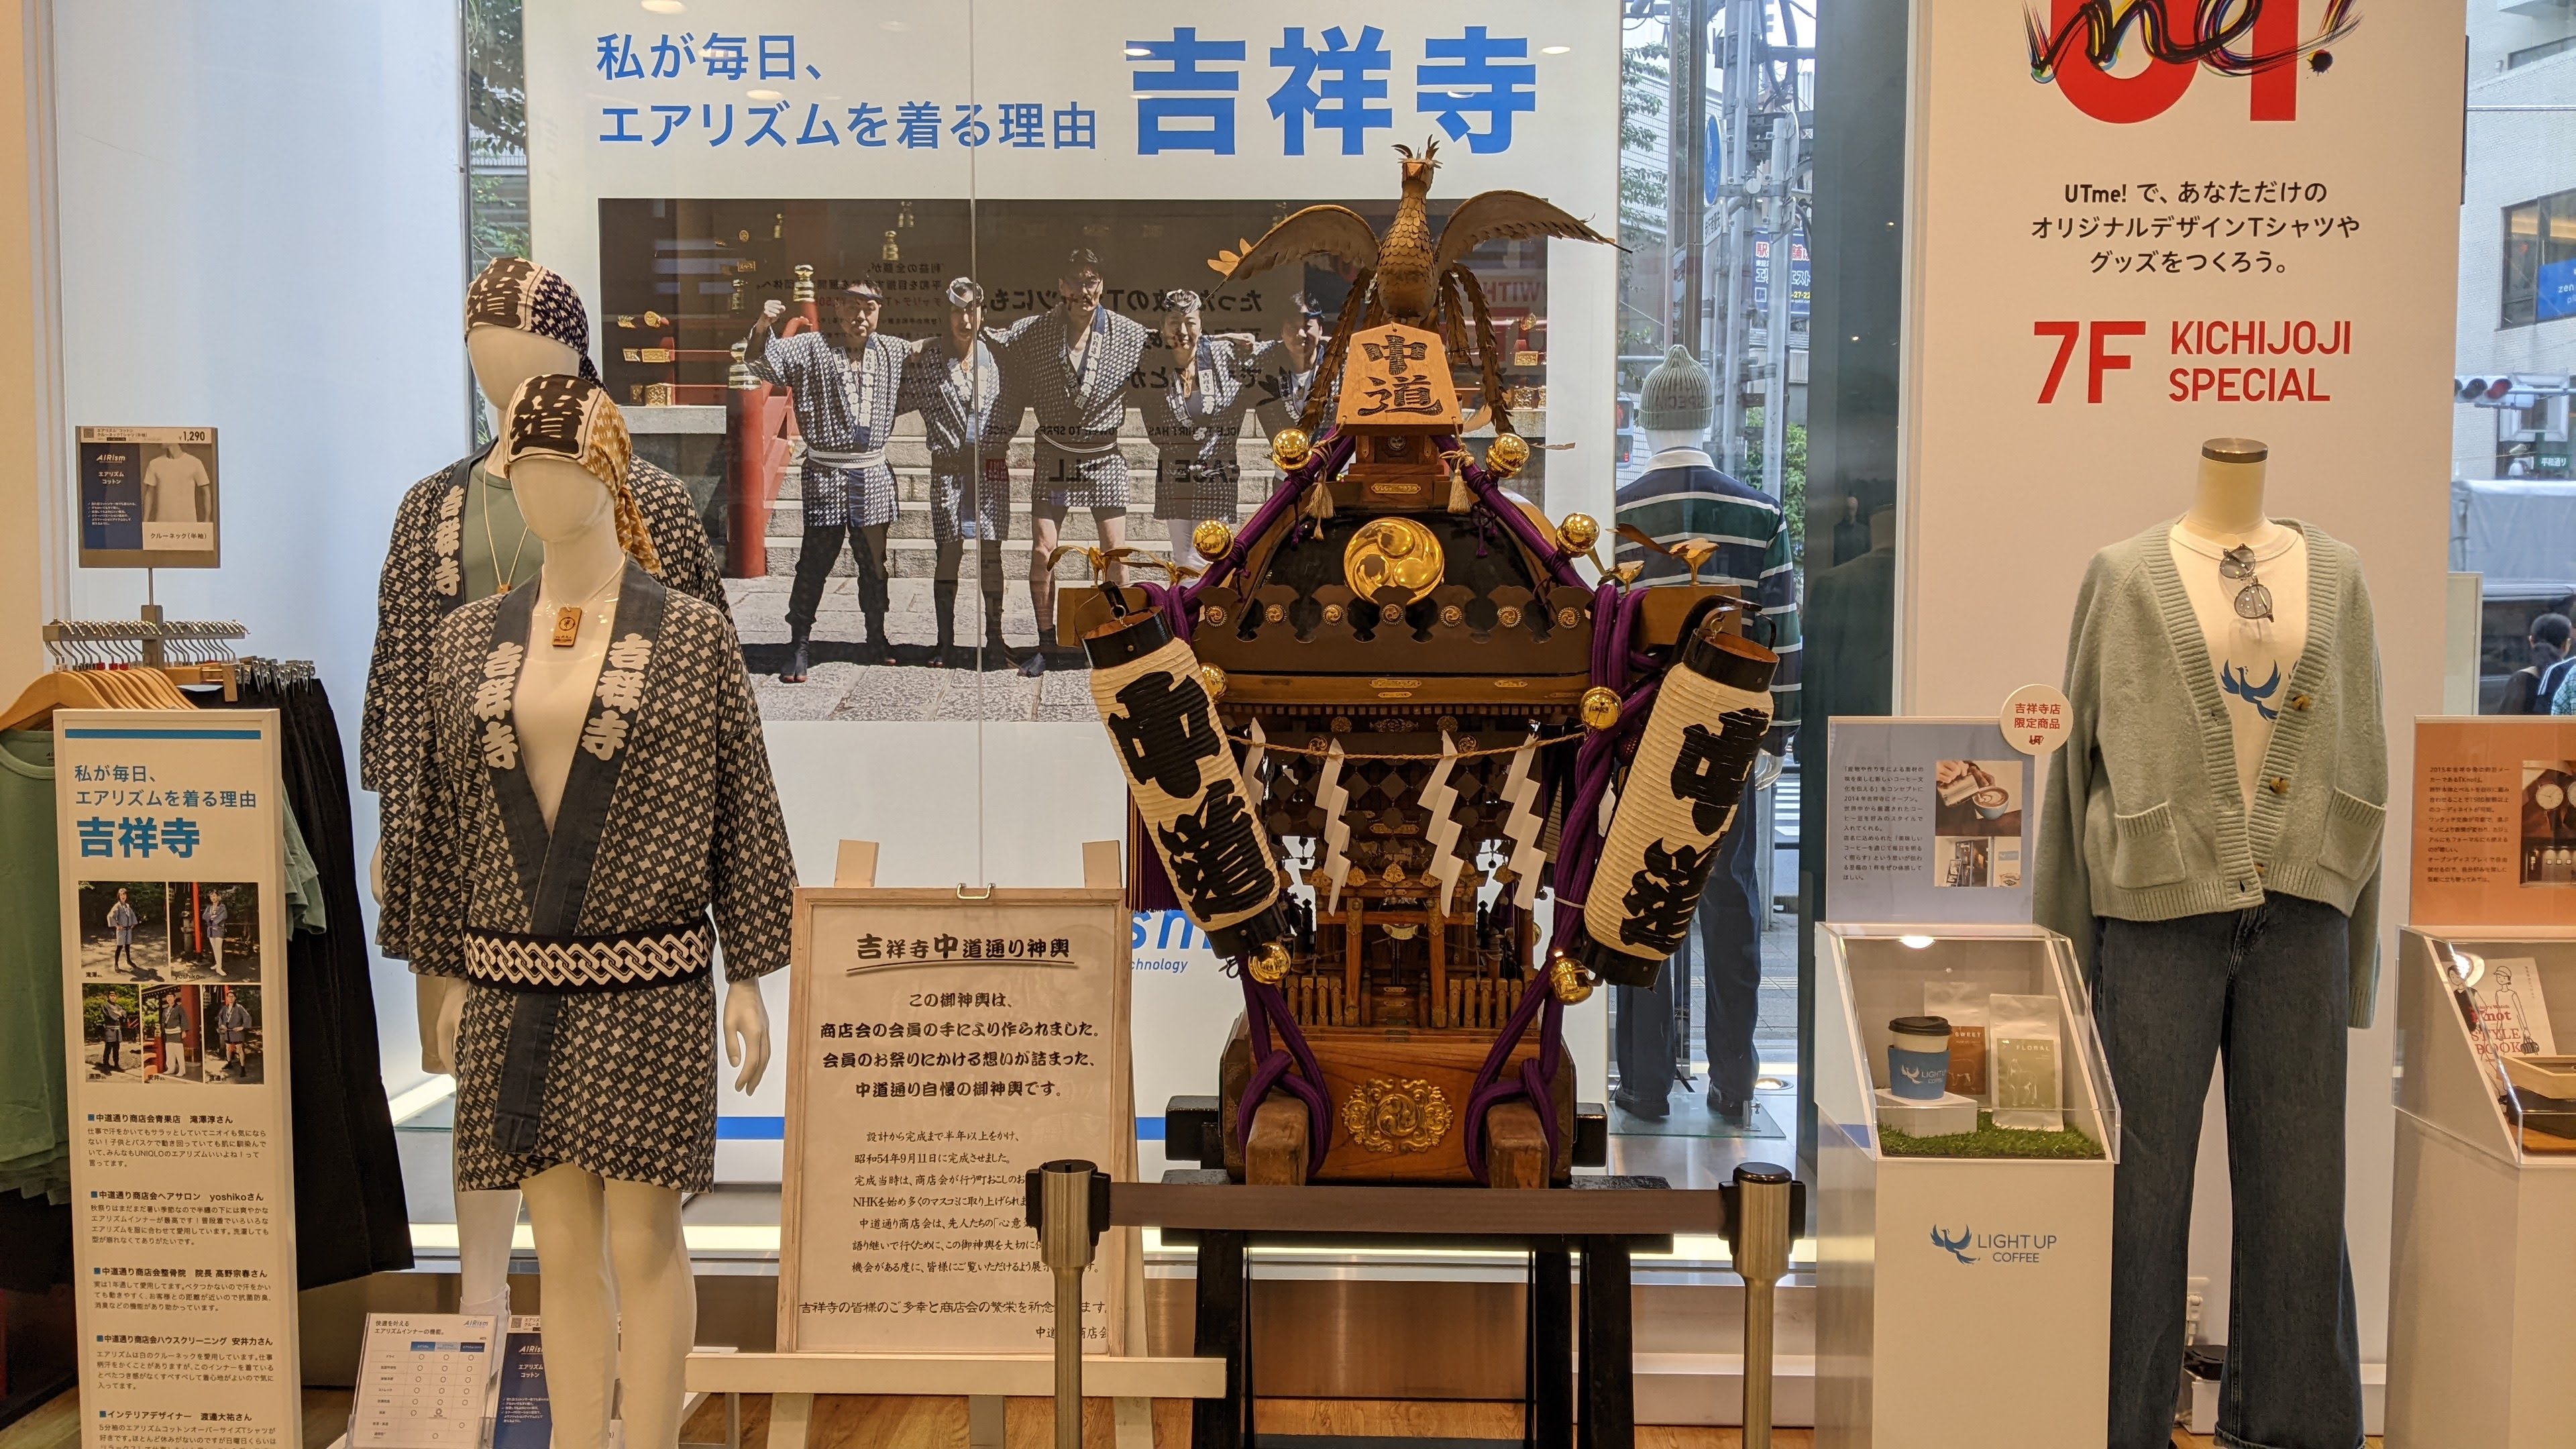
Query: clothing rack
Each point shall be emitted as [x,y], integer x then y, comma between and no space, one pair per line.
[188,651]
[260,672]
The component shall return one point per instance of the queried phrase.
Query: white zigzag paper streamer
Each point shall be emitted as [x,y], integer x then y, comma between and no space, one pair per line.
[1522,825]
[1442,834]
[1252,786]
[1330,797]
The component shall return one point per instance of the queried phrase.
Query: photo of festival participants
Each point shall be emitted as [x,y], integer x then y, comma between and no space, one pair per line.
[2548,822]
[111,1032]
[214,931]
[929,408]
[1976,822]
[231,1036]
[124,930]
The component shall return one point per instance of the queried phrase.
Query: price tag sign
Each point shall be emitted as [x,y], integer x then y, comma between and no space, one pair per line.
[2035,718]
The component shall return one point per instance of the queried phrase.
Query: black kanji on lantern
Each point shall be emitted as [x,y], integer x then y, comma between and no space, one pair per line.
[1710,769]
[1662,898]
[1165,731]
[1217,862]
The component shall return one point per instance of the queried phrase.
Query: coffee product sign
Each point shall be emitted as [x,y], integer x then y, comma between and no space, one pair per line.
[1933,822]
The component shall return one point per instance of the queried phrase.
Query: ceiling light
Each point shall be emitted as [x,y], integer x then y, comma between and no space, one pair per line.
[664,7]
[764,95]
[1554,49]
[1139,52]
[892,25]
[1919,943]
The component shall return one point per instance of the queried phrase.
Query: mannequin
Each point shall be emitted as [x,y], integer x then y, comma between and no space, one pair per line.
[2211,848]
[588,1227]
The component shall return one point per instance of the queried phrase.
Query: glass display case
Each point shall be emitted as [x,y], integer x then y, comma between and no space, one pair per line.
[1985,1202]
[2483,1292]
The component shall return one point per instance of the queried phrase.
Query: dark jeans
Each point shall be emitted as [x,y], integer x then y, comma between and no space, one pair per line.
[1729,927]
[814,563]
[2171,997]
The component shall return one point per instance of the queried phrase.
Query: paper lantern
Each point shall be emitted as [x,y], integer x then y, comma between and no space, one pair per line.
[1680,794]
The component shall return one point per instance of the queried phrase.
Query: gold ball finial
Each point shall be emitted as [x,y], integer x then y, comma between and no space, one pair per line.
[1507,454]
[1214,680]
[1578,533]
[1269,965]
[1570,982]
[1212,538]
[1289,448]
[1600,707]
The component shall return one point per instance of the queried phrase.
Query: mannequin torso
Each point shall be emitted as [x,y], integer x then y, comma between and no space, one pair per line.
[2253,655]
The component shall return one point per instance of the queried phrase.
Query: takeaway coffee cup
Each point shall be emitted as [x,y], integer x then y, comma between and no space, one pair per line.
[1918,1061]
[1991,802]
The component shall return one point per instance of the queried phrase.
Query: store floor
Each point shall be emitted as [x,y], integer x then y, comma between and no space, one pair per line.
[847,1423]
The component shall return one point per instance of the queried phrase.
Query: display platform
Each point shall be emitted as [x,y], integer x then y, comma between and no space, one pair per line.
[2483,1298]
[1963,1296]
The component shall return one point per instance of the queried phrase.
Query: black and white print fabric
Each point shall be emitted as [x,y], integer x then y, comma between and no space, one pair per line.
[1194,430]
[845,409]
[516,293]
[1080,406]
[579,1046]
[956,397]
[422,582]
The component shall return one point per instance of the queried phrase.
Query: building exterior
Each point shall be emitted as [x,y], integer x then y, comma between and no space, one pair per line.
[2518,242]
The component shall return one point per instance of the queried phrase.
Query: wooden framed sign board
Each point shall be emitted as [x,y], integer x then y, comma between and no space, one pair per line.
[944,1044]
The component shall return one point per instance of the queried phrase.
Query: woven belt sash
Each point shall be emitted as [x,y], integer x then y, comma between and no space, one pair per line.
[827,458]
[541,971]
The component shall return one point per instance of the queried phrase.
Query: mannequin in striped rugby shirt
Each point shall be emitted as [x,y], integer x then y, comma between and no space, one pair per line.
[1683,498]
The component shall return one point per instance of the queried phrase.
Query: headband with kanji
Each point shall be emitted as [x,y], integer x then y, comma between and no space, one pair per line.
[516,293]
[574,419]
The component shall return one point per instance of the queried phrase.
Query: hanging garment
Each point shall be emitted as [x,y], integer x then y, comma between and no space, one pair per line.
[424,578]
[588,1035]
[351,1218]
[34,1137]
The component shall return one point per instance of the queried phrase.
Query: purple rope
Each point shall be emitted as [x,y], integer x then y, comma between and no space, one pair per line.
[1480,481]
[1263,1005]
[1535,1080]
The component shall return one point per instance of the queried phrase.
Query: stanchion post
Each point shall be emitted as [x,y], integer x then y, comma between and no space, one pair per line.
[1765,1207]
[1068,1205]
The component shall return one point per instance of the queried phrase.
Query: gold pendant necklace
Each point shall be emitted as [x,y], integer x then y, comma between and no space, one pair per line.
[568,616]
[507,579]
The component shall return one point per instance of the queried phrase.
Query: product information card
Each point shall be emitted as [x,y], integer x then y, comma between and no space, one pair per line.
[2495,824]
[944,1046]
[172,841]
[1934,820]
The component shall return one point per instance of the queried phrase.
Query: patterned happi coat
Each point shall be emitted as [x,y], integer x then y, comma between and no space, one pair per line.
[423,581]
[1080,409]
[845,408]
[1196,473]
[970,486]
[589,1028]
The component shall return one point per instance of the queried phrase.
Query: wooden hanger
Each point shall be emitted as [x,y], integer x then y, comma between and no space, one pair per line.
[60,689]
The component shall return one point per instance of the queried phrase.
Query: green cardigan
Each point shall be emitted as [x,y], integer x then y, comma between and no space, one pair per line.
[2145,820]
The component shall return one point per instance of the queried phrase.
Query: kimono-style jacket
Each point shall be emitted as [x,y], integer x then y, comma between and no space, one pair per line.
[957,397]
[1079,409]
[588,1033]
[845,410]
[1196,474]
[424,581]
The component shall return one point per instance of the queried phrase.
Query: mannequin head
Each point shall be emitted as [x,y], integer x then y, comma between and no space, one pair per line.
[560,499]
[505,357]
[2227,499]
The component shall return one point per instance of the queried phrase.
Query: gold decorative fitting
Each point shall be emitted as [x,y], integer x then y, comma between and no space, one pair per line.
[1507,454]
[1332,613]
[1628,572]
[1289,448]
[1390,612]
[738,376]
[1274,613]
[1509,616]
[1396,1115]
[1446,723]
[1214,679]
[1395,872]
[1269,965]
[1212,538]
[1578,533]
[1452,615]
[1212,614]
[1341,724]
[1568,980]
[1600,707]
[804,291]
[1392,560]
[1568,617]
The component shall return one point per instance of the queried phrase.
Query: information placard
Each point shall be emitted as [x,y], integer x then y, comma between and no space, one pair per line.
[1934,821]
[943,1046]
[424,1381]
[148,499]
[172,838]
[2495,822]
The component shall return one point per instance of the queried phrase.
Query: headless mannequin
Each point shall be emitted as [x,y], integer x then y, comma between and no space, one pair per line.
[503,358]
[610,1252]
[2227,503]
[1658,440]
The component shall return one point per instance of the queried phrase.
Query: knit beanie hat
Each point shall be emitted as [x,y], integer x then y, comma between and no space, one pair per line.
[1677,396]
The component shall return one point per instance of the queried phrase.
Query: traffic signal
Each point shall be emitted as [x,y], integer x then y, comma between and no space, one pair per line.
[2485,392]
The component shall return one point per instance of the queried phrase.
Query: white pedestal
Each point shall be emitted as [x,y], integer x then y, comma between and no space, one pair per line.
[2482,1292]
[1945,1116]
[1963,1302]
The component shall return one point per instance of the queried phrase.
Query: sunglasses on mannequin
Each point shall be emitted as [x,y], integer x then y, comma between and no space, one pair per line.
[2253,602]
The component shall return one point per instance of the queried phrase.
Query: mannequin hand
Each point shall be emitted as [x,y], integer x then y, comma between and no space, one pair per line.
[746,1034]
[442,1013]
[376,873]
